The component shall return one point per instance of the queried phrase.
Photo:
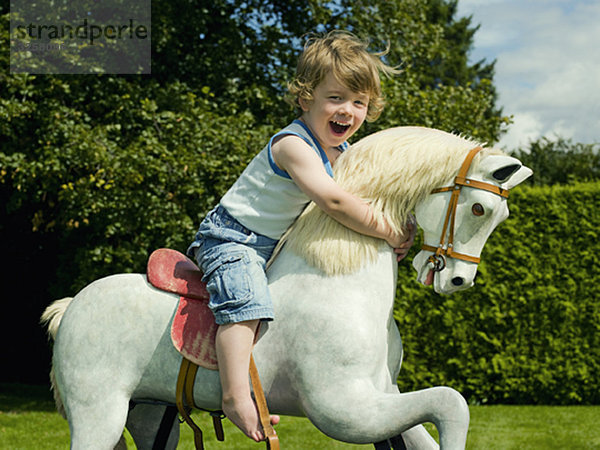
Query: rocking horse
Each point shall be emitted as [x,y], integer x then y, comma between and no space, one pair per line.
[334,351]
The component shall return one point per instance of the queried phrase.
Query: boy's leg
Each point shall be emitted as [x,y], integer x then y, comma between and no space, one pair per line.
[234,345]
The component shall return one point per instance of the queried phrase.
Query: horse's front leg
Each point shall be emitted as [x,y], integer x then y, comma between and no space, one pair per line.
[353,411]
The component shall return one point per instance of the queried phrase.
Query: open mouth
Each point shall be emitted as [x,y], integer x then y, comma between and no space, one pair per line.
[339,128]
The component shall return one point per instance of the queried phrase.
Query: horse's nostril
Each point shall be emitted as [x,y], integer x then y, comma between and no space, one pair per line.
[457,281]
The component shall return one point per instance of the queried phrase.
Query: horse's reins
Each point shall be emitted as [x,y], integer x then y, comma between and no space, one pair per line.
[443,250]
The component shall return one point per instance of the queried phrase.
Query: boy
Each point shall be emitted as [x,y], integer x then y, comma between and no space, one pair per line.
[337,87]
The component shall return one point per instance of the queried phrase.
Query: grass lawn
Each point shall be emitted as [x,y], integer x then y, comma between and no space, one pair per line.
[28,421]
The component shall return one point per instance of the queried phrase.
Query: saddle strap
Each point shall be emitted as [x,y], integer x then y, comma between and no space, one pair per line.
[185,398]
[217,417]
[263,410]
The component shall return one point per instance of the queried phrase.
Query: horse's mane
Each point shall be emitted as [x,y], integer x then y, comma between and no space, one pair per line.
[392,170]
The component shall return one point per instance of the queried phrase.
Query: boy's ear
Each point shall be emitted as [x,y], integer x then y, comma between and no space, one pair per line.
[304,104]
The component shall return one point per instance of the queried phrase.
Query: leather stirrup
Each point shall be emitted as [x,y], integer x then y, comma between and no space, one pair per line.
[185,400]
[263,410]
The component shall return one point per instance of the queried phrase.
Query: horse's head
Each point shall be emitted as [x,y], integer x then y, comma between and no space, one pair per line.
[458,219]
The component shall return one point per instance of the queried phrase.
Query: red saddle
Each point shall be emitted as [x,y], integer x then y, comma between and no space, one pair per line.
[193,329]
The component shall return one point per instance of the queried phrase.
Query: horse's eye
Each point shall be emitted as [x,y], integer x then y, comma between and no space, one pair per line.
[478,209]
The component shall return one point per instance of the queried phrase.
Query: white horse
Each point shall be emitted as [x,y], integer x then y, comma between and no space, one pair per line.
[334,351]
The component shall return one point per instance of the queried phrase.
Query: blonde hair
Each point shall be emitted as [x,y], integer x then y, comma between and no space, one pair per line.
[347,57]
[392,170]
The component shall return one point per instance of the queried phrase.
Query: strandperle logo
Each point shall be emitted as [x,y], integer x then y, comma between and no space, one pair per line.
[87,36]
[86,31]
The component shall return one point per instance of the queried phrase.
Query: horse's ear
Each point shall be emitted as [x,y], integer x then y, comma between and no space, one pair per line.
[518,177]
[505,170]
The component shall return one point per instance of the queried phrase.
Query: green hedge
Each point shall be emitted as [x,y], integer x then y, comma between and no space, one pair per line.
[528,332]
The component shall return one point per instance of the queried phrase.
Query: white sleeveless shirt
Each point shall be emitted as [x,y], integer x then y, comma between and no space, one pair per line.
[264,198]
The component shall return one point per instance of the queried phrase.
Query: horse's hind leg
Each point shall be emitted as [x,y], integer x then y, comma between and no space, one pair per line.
[96,423]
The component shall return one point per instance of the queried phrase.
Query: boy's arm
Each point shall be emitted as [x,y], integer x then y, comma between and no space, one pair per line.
[305,167]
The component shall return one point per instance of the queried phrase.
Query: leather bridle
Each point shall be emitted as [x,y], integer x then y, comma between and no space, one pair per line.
[444,249]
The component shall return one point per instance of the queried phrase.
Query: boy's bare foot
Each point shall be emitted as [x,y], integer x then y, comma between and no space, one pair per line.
[244,415]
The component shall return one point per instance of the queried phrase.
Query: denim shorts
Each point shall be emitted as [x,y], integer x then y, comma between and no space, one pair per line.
[233,260]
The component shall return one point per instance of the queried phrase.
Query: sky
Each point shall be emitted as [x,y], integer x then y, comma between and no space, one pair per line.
[547,71]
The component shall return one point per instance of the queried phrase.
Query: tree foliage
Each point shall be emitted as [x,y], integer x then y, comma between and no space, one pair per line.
[561,161]
[108,190]
[246,50]
[107,167]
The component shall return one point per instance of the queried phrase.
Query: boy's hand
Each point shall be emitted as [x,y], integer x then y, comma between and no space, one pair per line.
[406,239]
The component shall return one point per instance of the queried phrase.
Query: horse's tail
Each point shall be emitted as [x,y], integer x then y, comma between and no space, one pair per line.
[51,318]
[53,315]
[60,407]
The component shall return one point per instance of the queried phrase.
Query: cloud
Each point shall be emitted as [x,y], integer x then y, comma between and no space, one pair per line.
[526,127]
[548,65]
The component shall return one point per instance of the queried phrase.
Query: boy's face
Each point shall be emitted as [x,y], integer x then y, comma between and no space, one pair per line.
[335,113]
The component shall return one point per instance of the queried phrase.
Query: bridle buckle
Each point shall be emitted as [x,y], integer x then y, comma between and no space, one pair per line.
[438,261]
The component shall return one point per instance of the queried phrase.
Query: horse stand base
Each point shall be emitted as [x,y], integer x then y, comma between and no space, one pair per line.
[185,402]
[395,443]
